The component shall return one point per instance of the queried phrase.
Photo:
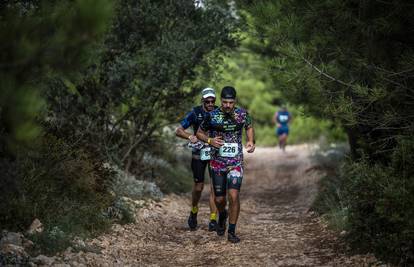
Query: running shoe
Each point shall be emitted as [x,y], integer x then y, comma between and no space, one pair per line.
[192,221]
[221,226]
[212,226]
[232,237]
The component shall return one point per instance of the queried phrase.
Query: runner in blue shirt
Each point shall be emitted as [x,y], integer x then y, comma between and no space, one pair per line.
[282,118]
[198,165]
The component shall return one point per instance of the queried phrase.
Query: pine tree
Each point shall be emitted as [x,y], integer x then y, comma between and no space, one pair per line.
[352,62]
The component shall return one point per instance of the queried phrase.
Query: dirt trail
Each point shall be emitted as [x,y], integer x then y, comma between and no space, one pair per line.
[275,225]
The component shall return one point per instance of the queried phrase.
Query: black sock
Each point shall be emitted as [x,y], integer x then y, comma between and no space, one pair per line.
[222,216]
[232,228]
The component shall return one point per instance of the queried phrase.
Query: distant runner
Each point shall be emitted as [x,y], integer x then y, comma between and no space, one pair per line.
[282,119]
[225,127]
[198,165]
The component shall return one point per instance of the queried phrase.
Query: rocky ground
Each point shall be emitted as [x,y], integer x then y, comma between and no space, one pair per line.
[275,226]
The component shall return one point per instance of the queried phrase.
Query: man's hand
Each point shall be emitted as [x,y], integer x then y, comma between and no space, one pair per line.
[217,141]
[193,138]
[278,125]
[250,147]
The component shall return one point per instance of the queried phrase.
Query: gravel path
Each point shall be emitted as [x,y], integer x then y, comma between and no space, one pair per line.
[275,225]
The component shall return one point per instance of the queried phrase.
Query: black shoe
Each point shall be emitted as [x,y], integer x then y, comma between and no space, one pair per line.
[192,221]
[221,226]
[212,226]
[232,237]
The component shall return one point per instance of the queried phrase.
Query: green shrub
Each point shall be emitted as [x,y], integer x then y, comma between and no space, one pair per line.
[306,129]
[51,240]
[381,205]
[172,173]
[265,136]
[303,129]
[330,201]
[62,186]
[374,203]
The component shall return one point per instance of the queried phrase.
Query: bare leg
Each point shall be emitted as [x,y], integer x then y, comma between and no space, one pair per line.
[234,205]
[213,208]
[196,194]
[221,206]
[220,203]
[282,141]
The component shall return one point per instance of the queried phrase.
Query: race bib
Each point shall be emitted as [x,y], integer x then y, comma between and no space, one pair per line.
[205,153]
[283,118]
[229,150]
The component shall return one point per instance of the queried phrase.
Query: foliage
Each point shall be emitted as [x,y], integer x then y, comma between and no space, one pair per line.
[51,240]
[62,186]
[351,62]
[87,82]
[380,201]
[257,92]
[38,40]
[353,68]
[130,194]
[330,200]
[127,185]
[42,175]
[143,80]
[302,129]
[41,40]
[373,203]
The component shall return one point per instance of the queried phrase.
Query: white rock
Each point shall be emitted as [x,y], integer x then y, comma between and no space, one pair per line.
[35,227]
[42,259]
[12,249]
[12,238]
[27,244]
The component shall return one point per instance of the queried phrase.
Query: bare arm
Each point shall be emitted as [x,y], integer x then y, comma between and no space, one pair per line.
[216,141]
[274,118]
[250,145]
[181,132]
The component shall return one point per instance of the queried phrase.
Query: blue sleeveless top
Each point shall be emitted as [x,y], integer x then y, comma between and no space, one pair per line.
[283,118]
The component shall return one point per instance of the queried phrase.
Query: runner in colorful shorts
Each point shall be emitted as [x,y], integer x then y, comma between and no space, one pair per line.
[222,128]
[199,164]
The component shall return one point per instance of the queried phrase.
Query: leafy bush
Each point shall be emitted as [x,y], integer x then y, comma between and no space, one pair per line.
[128,185]
[61,185]
[330,200]
[374,204]
[130,194]
[169,167]
[102,85]
[381,205]
[303,129]
[362,79]
[51,240]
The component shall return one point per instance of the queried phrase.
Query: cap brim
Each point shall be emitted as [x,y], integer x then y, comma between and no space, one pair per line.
[209,95]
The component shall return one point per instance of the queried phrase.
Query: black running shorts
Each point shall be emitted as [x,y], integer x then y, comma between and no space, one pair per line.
[228,179]
[198,167]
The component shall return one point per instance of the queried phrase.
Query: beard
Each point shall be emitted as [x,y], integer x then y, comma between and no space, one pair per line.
[228,110]
[208,107]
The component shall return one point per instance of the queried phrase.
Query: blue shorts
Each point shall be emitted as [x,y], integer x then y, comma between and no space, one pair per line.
[282,130]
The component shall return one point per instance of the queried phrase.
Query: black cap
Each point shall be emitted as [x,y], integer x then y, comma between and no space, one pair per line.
[228,92]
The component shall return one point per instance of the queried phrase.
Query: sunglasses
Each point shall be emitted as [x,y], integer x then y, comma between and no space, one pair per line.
[209,101]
